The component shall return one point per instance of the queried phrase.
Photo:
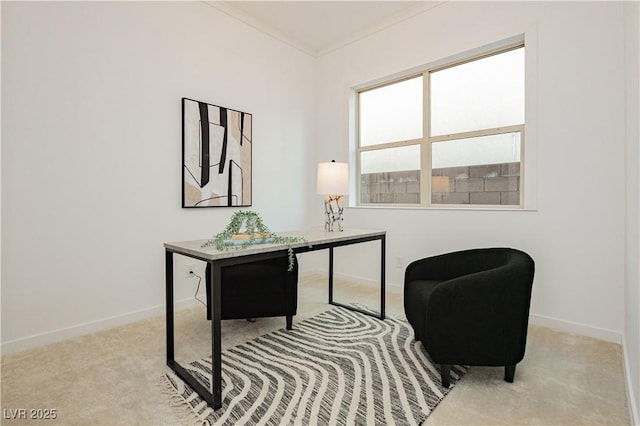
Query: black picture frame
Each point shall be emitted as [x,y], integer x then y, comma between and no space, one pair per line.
[216,156]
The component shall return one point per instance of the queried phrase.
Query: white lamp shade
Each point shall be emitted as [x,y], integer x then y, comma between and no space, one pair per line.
[333,178]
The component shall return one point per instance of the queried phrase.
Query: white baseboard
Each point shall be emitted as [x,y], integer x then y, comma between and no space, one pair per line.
[576,328]
[375,283]
[369,282]
[632,398]
[541,320]
[30,342]
[54,336]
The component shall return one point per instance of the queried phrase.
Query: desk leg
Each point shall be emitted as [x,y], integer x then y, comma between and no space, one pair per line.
[215,277]
[212,396]
[382,274]
[382,281]
[330,275]
[169,301]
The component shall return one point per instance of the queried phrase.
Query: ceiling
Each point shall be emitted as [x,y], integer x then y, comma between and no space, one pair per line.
[319,27]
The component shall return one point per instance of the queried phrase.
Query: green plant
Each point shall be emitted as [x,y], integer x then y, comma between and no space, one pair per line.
[250,225]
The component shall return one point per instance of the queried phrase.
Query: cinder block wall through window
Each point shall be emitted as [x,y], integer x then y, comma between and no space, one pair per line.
[489,184]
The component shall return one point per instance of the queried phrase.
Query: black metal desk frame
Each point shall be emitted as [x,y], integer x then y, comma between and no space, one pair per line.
[214,398]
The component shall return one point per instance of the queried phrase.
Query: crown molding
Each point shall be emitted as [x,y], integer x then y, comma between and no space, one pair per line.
[390,21]
[227,8]
[238,14]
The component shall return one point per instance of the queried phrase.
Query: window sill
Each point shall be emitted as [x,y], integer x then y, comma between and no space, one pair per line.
[444,207]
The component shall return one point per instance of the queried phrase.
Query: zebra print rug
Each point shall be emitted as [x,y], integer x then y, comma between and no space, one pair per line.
[337,368]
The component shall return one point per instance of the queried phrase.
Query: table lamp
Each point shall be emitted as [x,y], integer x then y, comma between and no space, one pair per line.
[333,183]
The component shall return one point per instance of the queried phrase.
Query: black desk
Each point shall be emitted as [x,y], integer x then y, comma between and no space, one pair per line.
[316,240]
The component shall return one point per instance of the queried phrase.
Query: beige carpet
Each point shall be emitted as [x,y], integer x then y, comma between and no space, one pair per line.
[111,378]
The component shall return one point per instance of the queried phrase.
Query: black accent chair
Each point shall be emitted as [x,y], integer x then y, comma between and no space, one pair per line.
[471,307]
[264,288]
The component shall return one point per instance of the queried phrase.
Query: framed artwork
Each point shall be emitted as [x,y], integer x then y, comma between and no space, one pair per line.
[216,156]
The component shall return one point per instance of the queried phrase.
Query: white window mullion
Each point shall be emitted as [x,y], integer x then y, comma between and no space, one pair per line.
[425,147]
[476,133]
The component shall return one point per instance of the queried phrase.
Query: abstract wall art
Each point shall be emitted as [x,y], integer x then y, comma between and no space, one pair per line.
[216,156]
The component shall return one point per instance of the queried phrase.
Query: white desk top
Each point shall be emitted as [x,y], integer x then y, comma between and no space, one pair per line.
[313,236]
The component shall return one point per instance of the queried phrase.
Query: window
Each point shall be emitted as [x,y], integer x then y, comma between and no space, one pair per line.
[452,135]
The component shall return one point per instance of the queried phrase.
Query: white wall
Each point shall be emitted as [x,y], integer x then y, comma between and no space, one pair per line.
[631,343]
[576,234]
[91,152]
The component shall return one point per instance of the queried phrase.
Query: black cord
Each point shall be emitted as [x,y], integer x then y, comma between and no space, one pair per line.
[198,289]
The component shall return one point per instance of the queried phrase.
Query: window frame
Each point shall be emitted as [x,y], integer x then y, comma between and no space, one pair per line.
[427,141]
